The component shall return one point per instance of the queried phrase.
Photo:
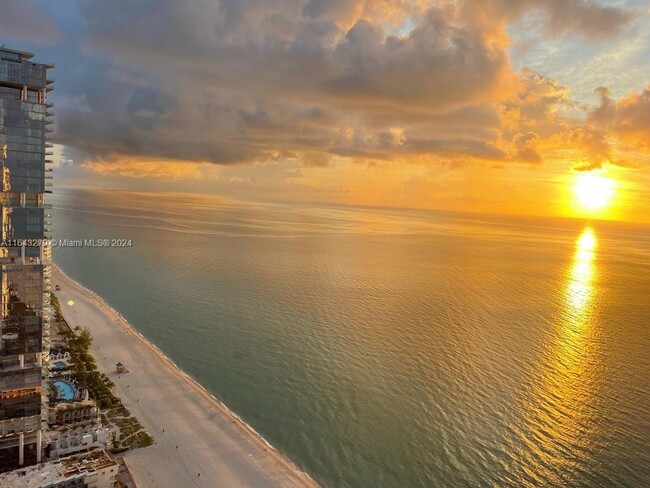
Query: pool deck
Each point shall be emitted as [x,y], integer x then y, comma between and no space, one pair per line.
[200,434]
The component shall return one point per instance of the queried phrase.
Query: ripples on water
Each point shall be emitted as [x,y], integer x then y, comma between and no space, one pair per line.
[390,348]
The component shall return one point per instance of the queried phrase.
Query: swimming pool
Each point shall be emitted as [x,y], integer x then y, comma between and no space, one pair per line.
[65,391]
[60,364]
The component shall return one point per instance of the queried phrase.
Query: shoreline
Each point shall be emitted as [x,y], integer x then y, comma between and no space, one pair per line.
[245,430]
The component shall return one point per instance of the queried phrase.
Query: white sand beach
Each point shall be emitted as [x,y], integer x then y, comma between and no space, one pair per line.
[211,440]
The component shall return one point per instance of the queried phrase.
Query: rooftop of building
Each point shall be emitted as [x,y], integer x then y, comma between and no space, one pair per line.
[21,55]
[92,426]
[57,471]
[75,405]
[88,462]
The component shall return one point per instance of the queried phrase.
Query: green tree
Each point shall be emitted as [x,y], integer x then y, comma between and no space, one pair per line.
[84,338]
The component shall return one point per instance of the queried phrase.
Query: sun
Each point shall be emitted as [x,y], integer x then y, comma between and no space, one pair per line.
[593,191]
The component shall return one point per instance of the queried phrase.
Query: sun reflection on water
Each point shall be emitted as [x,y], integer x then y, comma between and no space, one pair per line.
[579,283]
[560,425]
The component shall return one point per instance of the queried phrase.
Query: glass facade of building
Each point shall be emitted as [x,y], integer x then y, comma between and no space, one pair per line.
[24,256]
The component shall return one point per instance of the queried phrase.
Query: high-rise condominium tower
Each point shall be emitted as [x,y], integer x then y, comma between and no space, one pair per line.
[24,256]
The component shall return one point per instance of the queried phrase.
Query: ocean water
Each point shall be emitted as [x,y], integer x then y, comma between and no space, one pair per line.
[392,348]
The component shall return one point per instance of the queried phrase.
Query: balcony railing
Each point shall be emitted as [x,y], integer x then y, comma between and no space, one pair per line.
[16,426]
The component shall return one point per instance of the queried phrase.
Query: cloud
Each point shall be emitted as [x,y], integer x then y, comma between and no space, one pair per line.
[236,82]
[526,150]
[22,19]
[587,17]
[134,168]
[248,81]
[628,118]
[615,132]
[544,123]
[583,17]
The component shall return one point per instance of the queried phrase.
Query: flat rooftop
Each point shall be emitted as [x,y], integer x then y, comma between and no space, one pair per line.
[23,54]
[65,469]
[91,461]
[20,55]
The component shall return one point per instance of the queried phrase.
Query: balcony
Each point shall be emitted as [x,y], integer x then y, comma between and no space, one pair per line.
[20,378]
[12,363]
[16,426]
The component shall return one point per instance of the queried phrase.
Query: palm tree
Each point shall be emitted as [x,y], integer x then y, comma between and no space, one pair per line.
[84,338]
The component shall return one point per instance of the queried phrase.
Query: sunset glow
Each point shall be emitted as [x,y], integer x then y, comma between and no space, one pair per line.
[494,106]
[419,227]
[594,192]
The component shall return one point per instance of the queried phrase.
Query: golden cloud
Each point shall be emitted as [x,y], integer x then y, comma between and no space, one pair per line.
[139,168]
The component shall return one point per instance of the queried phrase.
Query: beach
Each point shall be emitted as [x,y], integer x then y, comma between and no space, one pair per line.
[199,442]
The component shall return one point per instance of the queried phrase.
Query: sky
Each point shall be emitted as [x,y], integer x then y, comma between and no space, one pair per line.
[499,106]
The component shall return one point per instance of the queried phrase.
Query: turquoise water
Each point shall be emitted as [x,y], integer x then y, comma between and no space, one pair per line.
[388,348]
[60,364]
[65,390]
